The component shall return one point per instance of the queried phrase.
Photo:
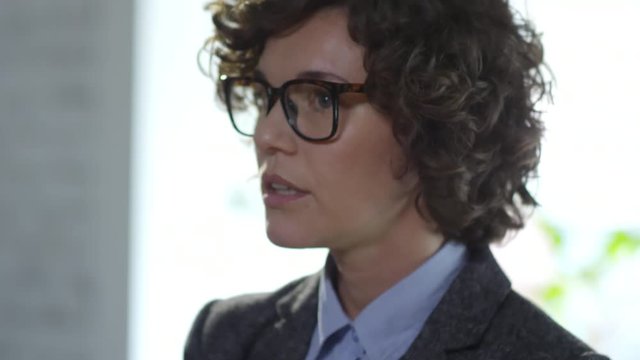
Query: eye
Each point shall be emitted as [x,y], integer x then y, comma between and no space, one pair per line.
[292,108]
[323,99]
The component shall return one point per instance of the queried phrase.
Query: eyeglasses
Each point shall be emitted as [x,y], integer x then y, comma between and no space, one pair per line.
[310,107]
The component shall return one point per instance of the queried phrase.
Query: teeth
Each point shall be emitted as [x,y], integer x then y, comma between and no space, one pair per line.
[282,189]
[279,186]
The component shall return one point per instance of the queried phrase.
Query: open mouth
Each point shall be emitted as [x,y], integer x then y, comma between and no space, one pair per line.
[281,189]
[278,191]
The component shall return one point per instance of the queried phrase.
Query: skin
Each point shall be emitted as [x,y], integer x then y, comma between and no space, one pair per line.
[359,201]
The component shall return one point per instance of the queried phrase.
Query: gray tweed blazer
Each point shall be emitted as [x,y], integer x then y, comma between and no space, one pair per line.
[479,318]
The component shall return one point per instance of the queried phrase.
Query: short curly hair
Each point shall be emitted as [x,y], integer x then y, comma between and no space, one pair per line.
[460,79]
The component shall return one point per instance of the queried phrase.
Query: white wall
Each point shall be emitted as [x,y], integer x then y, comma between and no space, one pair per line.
[64,175]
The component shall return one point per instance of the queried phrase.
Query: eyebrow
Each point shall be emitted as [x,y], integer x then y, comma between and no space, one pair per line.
[320,75]
[260,75]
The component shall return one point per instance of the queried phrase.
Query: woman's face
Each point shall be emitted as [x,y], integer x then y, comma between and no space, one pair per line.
[341,193]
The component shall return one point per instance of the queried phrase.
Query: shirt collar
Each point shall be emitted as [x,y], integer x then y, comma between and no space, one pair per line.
[396,317]
[331,316]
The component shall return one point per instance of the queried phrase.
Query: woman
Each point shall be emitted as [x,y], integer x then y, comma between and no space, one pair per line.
[400,135]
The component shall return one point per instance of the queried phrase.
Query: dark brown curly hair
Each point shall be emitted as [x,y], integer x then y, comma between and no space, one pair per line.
[459,78]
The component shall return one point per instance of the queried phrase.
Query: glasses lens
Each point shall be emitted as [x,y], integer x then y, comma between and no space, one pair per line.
[247,104]
[309,109]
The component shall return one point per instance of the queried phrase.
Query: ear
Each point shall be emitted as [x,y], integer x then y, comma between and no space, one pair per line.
[401,168]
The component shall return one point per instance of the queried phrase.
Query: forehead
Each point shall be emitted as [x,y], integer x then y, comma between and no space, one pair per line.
[321,44]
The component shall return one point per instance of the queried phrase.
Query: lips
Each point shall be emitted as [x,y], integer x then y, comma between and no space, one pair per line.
[278,191]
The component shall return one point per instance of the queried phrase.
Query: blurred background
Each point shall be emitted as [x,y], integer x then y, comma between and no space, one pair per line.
[127,201]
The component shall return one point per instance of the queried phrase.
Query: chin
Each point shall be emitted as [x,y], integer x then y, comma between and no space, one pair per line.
[290,238]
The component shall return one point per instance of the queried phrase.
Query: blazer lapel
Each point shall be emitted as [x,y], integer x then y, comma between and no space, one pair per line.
[465,310]
[457,322]
[289,337]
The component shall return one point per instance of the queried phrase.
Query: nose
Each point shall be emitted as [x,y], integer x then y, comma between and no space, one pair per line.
[273,134]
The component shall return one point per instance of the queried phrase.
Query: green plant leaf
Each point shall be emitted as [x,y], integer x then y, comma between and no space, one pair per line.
[554,234]
[554,292]
[622,243]
[591,274]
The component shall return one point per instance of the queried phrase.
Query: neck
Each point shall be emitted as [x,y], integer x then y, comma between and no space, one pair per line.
[365,272]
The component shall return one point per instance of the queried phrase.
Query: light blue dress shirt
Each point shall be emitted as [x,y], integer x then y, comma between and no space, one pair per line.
[385,328]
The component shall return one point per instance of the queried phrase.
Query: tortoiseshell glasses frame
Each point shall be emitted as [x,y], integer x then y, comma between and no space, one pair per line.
[305,103]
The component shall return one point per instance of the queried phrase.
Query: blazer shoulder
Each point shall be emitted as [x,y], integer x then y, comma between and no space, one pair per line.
[520,327]
[227,327]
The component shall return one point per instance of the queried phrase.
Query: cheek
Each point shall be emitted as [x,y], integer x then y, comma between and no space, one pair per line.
[361,174]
